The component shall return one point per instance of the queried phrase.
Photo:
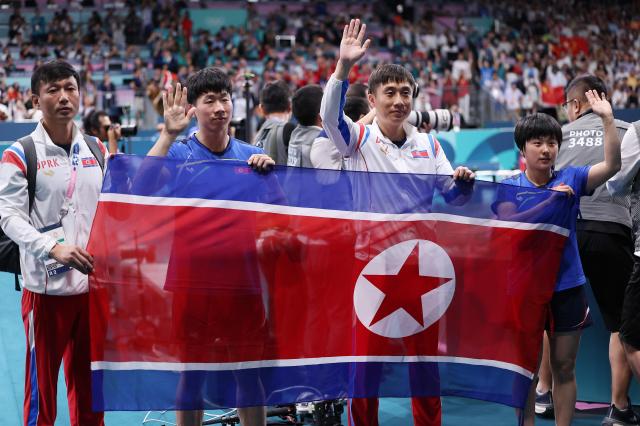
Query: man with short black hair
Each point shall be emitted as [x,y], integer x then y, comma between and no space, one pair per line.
[306,109]
[208,98]
[275,103]
[52,237]
[389,144]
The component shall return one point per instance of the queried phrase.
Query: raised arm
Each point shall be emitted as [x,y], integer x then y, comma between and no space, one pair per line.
[601,172]
[177,116]
[340,129]
[630,152]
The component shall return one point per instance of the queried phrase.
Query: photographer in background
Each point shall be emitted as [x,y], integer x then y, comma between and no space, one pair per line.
[98,124]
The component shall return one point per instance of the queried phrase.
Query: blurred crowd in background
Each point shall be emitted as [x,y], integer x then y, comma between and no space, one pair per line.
[490,60]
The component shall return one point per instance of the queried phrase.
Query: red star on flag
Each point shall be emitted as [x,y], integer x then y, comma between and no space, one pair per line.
[404,290]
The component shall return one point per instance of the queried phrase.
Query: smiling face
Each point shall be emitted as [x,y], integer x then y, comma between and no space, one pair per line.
[213,110]
[59,100]
[392,101]
[540,153]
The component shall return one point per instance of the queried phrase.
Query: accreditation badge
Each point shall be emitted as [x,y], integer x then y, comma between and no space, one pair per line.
[52,266]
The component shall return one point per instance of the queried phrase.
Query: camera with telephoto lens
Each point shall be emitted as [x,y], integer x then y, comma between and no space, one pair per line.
[128,130]
[440,120]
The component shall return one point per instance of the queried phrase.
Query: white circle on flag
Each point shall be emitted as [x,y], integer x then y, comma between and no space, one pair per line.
[433,261]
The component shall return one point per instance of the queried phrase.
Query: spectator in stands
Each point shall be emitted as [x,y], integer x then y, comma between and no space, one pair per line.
[138,85]
[17,25]
[38,29]
[108,91]
[513,100]
[542,47]
[133,27]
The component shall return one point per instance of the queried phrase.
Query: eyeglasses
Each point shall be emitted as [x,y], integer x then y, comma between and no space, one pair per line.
[565,105]
[107,127]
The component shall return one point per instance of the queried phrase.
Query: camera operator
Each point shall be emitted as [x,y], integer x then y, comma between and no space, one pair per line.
[98,124]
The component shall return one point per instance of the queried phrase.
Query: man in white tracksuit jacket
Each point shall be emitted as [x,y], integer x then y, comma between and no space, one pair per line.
[52,238]
[387,145]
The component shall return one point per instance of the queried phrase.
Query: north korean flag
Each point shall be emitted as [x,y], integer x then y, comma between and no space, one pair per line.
[217,286]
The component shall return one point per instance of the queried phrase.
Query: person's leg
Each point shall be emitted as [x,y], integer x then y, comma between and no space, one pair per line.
[608,262]
[77,365]
[253,416]
[563,350]
[363,411]
[47,334]
[544,372]
[427,411]
[630,320]
[620,372]
[529,418]
[570,312]
[528,414]
[543,398]
[189,418]
[633,357]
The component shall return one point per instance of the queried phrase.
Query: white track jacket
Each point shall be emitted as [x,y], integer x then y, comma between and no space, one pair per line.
[365,148]
[52,182]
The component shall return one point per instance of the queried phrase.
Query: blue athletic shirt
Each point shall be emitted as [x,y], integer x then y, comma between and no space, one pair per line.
[570,274]
[192,149]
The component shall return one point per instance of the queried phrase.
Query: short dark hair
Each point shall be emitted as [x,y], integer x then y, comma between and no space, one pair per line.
[91,123]
[537,125]
[390,72]
[355,107]
[357,89]
[207,80]
[52,71]
[305,104]
[275,97]
[585,82]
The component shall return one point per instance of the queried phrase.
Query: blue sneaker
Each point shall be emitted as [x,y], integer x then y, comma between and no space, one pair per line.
[544,404]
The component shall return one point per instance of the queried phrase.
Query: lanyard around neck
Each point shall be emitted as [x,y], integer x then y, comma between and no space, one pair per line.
[75,162]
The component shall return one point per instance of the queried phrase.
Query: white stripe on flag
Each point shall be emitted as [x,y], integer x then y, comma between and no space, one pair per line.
[332,214]
[230,366]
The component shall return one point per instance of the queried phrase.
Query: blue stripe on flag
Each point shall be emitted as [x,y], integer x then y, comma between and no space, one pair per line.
[157,390]
[391,193]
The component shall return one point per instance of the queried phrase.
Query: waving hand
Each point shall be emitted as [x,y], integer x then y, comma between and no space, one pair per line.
[353,46]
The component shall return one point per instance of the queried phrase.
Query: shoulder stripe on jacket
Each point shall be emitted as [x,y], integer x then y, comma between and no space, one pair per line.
[15,156]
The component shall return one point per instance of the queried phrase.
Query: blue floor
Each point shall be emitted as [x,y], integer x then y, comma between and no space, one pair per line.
[393,412]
